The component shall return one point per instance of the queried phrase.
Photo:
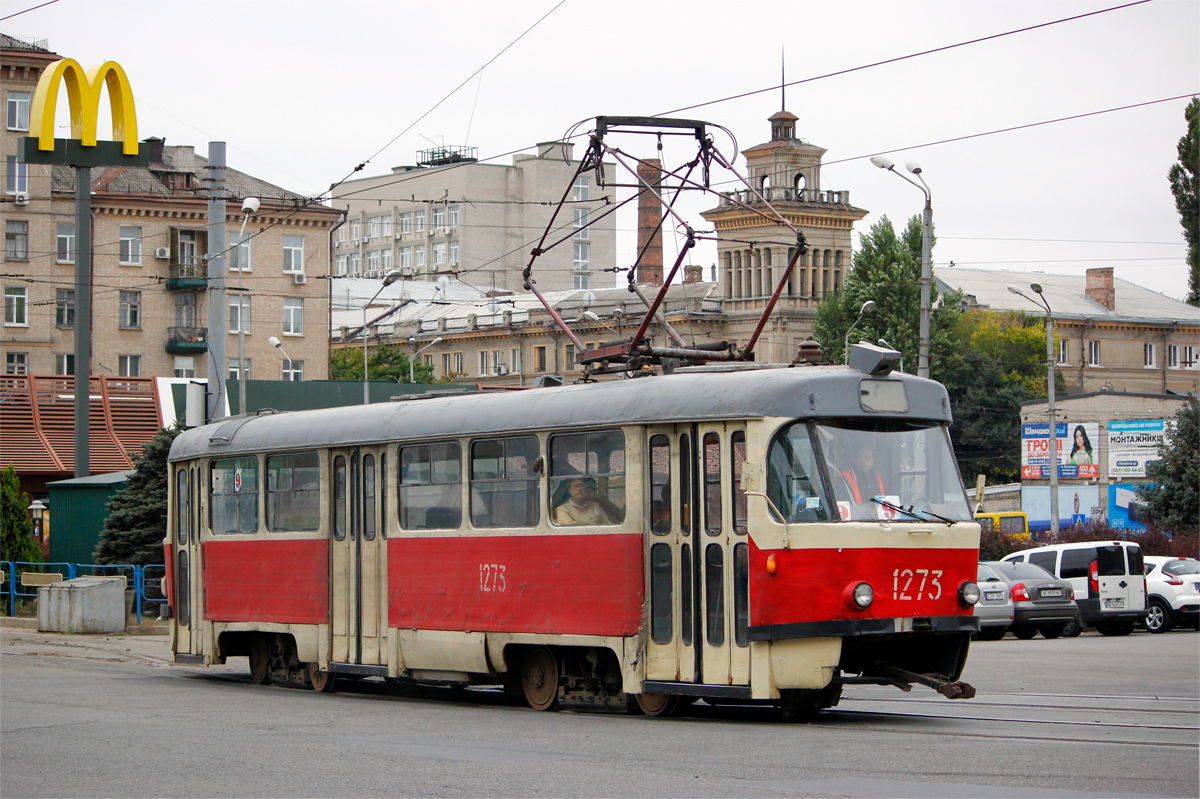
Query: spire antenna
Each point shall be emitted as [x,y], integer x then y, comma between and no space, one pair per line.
[782,79]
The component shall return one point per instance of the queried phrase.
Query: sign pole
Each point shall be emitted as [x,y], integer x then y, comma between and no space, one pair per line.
[83,318]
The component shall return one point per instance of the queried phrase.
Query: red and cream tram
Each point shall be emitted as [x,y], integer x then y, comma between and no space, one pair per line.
[734,533]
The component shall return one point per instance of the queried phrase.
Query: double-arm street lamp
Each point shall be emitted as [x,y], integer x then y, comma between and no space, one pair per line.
[926,255]
[1052,432]
[388,280]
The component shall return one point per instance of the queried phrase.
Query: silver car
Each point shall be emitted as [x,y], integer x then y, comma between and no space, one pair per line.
[995,606]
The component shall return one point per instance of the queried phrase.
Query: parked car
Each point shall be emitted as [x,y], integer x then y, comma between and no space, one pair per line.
[995,606]
[1108,578]
[1041,602]
[1172,593]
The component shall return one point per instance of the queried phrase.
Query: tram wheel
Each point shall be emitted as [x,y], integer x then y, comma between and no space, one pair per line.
[260,659]
[539,679]
[323,681]
[656,705]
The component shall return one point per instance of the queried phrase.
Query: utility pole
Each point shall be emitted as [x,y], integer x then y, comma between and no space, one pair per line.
[83,319]
[215,270]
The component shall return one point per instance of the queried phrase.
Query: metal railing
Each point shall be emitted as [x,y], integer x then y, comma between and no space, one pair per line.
[146,588]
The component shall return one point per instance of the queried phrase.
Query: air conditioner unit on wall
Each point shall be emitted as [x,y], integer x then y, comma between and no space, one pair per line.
[21,198]
[162,252]
[300,278]
[501,369]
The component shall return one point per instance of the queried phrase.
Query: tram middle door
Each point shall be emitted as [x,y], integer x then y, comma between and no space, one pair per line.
[671,651]
[358,567]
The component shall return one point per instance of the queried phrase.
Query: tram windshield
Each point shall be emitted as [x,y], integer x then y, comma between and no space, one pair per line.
[876,470]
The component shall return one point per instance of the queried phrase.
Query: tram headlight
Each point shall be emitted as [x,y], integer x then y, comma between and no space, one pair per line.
[859,595]
[968,593]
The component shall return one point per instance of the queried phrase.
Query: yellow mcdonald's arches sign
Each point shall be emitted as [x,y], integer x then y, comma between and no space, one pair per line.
[83,94]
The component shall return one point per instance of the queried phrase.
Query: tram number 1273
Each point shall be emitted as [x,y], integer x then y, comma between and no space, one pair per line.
[491,578]
[907,576]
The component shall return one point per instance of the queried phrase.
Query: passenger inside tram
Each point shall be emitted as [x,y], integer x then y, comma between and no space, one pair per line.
[583,505]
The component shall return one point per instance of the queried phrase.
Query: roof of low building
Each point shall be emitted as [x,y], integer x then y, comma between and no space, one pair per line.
[1066,295]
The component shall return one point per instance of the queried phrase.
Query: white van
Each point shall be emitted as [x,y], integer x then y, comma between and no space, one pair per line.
[1108,578]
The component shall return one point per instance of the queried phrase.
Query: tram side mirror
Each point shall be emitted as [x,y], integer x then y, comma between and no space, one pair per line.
[872,360]
[752,474]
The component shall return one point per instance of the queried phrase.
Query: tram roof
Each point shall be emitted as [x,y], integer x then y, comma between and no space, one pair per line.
[802,392]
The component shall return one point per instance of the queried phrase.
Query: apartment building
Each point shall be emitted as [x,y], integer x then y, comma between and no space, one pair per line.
[151,287]
[452,215]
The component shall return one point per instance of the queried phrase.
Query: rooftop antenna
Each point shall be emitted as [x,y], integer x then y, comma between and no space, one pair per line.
[782,79]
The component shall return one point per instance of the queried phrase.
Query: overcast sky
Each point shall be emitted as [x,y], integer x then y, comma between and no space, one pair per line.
[302,92]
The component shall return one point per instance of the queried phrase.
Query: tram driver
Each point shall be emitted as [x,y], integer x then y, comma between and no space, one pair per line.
[860,482]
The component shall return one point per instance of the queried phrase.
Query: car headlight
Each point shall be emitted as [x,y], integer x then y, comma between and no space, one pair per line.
[968,593]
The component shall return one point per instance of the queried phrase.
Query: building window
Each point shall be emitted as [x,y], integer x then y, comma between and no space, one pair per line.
[293,254]
[185,310]
[185,366]
[439,252]
[18,110]
[355,230]
[405,257]
[16,240]
[1172,356]
[65,253]
[1093,353]
[452,216]
[1148,354]
[418,221]
[405,222]
[16,363]
[483,363]
[17,176]
[453,253]
[64,308]
[583,256]
[581,189]
[458,363]
[239,252]
[385,261]
[16,302]
[581,221]
[235,369]
[131,310]
[340,267]
[569,360]
[385,226]
[293,317]
[439,217]
[1189,357]
[1062,351]
[189,248]
[539,359]
[129,365]
[582,282]
[373,227]
[355,260]
[419,256]
[239,315]
[445,364]
[514,360]
[64,364]
[131,246]
[373,262]
[293,371]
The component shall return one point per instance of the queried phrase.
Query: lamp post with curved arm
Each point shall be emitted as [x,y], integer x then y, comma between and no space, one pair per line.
[867,308]
[250,207]
[412,361]
[388,280]
[1052,432]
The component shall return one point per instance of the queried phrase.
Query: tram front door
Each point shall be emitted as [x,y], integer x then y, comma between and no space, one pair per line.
[698,555]
[187,576]
[358,559]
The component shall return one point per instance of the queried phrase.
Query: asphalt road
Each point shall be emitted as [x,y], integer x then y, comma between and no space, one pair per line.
[108,716]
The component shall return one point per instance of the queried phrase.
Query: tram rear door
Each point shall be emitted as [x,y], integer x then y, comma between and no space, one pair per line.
[358,558]
[697,556]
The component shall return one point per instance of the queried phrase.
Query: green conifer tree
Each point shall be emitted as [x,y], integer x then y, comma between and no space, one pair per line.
[16,538]
[137,514]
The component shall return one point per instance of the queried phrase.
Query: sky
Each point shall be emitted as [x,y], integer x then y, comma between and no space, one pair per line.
[304,91]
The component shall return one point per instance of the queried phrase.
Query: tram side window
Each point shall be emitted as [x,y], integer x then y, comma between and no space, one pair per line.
[431,486]
[737,445]
[293,492]
[587,478]
[234,501]
[503,483]
[339,498]
[793,479]
[661,599]
[183,517]
[712,483]
[660,485]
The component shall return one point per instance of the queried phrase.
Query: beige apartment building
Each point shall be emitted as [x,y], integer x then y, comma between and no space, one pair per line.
[452,215]
[150,285]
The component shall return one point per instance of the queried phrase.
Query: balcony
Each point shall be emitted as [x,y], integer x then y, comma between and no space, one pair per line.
[810,196]
[187,340]
[187,276]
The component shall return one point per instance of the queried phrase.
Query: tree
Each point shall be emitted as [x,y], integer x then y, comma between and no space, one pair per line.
[1172,493]
[137,514]
[887,270]
[385,362]
[1185,185]
[16,538]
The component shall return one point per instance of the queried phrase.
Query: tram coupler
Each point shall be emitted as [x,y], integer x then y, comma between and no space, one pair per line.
[956,689]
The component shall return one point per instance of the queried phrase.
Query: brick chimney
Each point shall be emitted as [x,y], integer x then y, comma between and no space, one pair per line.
[1100,287]
[650,268]
[692,274]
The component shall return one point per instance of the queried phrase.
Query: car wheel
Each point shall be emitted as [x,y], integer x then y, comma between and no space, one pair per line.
[1073,629]
[1158,620]
[1053,630]
[991,633]
[1024,633]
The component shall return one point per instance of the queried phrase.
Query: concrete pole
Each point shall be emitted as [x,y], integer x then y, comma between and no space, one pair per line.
[217,366]
[1053,430]
[83,319]
[926,285]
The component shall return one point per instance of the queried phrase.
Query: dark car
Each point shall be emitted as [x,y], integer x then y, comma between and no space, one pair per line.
[1041,602]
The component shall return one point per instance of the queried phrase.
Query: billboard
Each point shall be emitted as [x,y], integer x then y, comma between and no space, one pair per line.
[1078,451]
[1076,503]
[1131,445]
[1125,510]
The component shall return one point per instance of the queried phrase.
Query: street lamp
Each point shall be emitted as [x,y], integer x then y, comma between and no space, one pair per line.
[1052,432]
[926,255]
[867,308]
[250,207]
[413,343]
[37,512]
[389,279]
[277,344]
[591,316]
